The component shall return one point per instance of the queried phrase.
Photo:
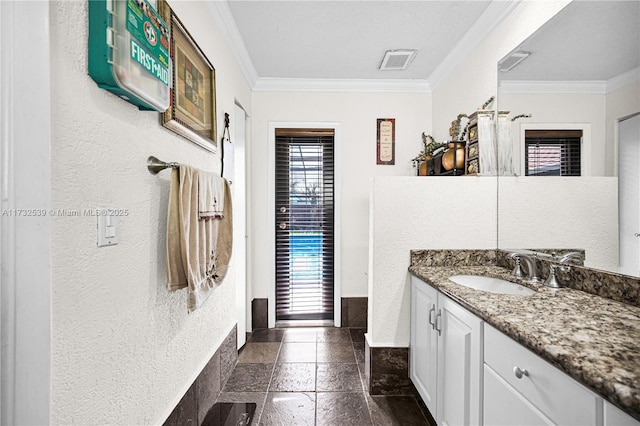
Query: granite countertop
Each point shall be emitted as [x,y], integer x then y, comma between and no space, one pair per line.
[593,339]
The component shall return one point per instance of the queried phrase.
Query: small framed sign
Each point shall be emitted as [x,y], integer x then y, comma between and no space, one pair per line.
[386,141]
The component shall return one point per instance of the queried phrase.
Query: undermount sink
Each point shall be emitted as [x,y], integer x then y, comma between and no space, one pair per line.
[492,285]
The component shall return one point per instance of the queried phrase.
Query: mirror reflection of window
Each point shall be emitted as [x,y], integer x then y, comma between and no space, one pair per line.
[552,152]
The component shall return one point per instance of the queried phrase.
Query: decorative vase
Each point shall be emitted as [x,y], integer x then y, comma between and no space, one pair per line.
[455,150]
[423,169]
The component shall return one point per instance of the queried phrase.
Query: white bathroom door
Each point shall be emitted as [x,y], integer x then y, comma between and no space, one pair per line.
[629,194]
[238,139]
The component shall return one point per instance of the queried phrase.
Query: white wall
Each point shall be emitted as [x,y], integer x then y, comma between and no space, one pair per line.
[420,213]
[620,103]
[560,212]
[581,110]
[600,112]
[475,80]
[356,113]
[124,350]
[465,89]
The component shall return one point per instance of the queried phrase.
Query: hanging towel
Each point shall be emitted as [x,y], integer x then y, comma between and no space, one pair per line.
[210,196]
[198,251]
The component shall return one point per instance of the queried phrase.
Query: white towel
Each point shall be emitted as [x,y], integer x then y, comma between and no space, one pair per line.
[210,196]
[198,252]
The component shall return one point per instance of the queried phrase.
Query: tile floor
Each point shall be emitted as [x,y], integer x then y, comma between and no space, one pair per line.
[312,376]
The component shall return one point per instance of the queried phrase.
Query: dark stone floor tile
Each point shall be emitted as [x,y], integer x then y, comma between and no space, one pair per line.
[357,334]
[249,378]
[300,334]
[297,352]
[267,335]
[294,377]
[259,353]
[289,408]
[342,409]
[333,335]
[338,377]
[396,410]
[336,352]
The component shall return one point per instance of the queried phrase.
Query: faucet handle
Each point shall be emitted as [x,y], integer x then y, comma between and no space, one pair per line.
[552,280]
[517,270]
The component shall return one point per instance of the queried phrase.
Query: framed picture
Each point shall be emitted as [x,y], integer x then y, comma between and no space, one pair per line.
[386,141]
[192,112]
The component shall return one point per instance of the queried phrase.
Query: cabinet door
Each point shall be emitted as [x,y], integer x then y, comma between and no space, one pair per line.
[459,365]
[613,416]
[504,406]
[424,342]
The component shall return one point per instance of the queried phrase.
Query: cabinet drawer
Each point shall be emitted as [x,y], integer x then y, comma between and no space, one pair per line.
[561,398]
[472,152]
[473,166]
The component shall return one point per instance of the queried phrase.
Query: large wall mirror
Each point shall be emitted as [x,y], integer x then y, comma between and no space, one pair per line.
[569,175]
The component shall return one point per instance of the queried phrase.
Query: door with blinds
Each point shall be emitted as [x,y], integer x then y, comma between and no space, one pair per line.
[304,225]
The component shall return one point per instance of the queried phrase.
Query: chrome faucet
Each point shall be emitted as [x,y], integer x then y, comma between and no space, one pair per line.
[573,256]
[532,268]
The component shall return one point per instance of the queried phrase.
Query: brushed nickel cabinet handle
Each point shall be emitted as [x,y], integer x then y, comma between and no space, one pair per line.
[431,312]
[519,372]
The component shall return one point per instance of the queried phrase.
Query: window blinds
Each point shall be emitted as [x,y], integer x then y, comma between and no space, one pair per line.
[304,224]
[552,152]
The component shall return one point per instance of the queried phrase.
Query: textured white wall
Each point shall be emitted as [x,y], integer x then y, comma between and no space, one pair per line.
[561,212]
[356,113]
[420,213]
[621,103]
[124,349]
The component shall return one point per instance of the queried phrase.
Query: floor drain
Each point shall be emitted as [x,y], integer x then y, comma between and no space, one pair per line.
[230,414]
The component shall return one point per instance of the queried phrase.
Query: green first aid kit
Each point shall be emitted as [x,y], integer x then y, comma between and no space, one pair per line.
[129,56]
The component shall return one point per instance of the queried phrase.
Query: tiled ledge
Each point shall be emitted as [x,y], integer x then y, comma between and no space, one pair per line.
[195,403]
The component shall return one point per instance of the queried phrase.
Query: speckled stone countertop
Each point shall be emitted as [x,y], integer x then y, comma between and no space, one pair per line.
[593,339]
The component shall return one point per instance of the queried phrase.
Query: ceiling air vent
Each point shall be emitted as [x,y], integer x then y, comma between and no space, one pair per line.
[397,60]
[513,59]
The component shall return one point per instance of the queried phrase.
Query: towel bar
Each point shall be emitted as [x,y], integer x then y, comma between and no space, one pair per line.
[154,165]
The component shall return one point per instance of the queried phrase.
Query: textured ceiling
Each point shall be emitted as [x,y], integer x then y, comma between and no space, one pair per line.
[586,41]
[348,39]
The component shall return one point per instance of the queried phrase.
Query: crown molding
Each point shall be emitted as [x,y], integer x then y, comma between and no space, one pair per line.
[224,20]
[623,79]
[341,85]
[495,13]
[530,86]
[593,87]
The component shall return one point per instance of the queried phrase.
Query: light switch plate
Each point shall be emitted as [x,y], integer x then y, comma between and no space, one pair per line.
[107,227]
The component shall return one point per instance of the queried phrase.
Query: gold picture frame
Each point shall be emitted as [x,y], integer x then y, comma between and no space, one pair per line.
[192,111]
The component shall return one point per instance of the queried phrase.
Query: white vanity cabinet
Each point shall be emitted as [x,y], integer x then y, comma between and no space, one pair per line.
[522,388]
[445,356]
